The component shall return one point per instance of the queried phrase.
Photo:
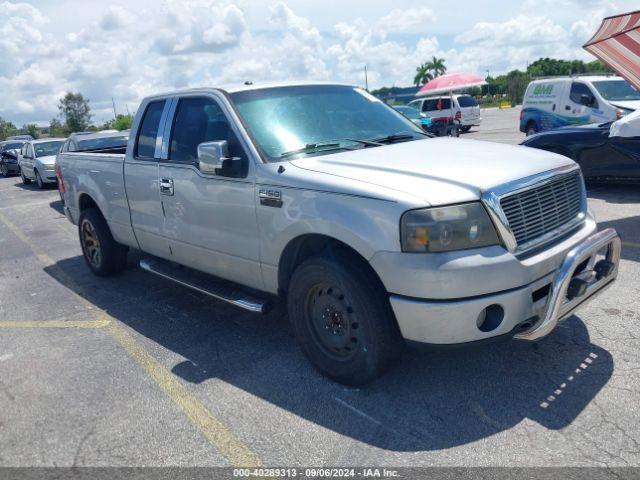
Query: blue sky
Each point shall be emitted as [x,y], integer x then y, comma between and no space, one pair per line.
[129,49]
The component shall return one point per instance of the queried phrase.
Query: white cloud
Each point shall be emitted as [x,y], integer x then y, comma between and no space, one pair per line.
[522,30]
[200,26]
[131,49]
[117,17]
[406,19]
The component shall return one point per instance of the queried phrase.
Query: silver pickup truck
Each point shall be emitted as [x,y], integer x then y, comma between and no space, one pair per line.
[320,195]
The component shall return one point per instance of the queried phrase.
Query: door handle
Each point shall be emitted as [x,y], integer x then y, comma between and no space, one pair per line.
[166,186]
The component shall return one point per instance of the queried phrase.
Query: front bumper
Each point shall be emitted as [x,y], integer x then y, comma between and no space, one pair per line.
[531,311]
[470,122]
[49,176]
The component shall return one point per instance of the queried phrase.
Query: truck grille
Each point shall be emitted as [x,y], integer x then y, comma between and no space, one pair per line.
[543,208]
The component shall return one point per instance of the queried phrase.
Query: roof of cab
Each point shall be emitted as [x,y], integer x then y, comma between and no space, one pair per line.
[102,134]
[243,87]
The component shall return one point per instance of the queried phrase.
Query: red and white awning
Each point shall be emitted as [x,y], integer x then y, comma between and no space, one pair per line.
[617,43]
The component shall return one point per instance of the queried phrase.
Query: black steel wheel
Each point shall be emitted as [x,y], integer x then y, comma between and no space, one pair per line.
[341,317]
[331,321]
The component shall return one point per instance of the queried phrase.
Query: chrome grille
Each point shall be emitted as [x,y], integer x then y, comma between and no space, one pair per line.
[541,209]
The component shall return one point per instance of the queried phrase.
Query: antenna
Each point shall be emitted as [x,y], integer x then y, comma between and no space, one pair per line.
[366,79]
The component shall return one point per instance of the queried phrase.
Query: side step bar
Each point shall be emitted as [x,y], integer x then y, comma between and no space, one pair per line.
[206,284]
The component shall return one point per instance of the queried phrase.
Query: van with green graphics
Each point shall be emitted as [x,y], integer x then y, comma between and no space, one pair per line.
[556,102]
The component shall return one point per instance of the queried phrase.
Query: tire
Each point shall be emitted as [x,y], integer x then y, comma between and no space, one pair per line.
[39,181]
[360,338]
[25,180]
[103,255]
[531,129]
[466,128]
[4,170]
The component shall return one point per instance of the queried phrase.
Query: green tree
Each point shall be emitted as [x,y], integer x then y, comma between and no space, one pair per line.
[422,75]
[546,67]
[31,129]
[75,111]
[121,122]
[56,129]
[429,70]
[436,66]
[6,129]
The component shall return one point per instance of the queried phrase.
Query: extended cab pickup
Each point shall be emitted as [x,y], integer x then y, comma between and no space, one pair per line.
[373,232]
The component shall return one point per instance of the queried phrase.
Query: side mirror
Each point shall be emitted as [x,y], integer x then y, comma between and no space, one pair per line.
[586,100]
[211,156]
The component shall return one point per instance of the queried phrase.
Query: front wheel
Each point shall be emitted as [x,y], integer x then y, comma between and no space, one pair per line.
[39,180]
[465,129]
[342,319]
[103,255]
[4,170]
[25,180]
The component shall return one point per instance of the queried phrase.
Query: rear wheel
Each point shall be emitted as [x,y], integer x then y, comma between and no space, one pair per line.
[465,128]
[531,129]
[103,255]
[25,180]
[342,319]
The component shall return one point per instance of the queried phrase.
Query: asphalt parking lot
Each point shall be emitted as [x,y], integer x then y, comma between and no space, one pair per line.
[135,371]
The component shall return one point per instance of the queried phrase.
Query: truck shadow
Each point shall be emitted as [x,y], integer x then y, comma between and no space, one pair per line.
[430,401]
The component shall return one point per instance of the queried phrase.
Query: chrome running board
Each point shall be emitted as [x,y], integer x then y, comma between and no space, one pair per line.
[206,284]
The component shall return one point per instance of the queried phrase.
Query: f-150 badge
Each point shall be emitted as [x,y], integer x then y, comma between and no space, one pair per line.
[270,197]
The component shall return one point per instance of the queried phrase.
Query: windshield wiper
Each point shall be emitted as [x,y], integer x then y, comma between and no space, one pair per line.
[315,147]
[396,137]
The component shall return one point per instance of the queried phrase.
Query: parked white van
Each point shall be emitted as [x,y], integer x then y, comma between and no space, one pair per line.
[555,102]
[465,109]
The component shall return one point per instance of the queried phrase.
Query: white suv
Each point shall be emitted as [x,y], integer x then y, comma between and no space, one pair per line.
[465,109]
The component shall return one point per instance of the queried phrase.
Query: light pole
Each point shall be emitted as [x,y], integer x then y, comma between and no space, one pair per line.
[488,85]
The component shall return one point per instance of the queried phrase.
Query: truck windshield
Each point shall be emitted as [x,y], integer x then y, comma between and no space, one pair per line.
[616,90]
[45,149]
[285,119]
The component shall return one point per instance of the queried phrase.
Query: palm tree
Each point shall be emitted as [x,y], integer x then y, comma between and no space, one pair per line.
[436,65]
[429,70]
[423,75]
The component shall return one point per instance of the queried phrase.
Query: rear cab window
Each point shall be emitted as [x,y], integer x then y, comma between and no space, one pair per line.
[148,131]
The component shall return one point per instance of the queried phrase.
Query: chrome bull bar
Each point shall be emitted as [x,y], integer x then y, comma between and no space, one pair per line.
[559,305]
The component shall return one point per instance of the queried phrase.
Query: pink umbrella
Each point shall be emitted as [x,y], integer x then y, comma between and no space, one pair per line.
[450,82]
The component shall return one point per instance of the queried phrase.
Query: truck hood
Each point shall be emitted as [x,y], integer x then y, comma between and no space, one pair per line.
[437,171]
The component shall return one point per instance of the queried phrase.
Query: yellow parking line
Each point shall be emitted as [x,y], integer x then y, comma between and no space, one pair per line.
[630,244]
[214,430]
[103,322]
[219,435]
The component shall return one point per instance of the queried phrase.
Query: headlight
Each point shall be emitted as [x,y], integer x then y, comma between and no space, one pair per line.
[443,229]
